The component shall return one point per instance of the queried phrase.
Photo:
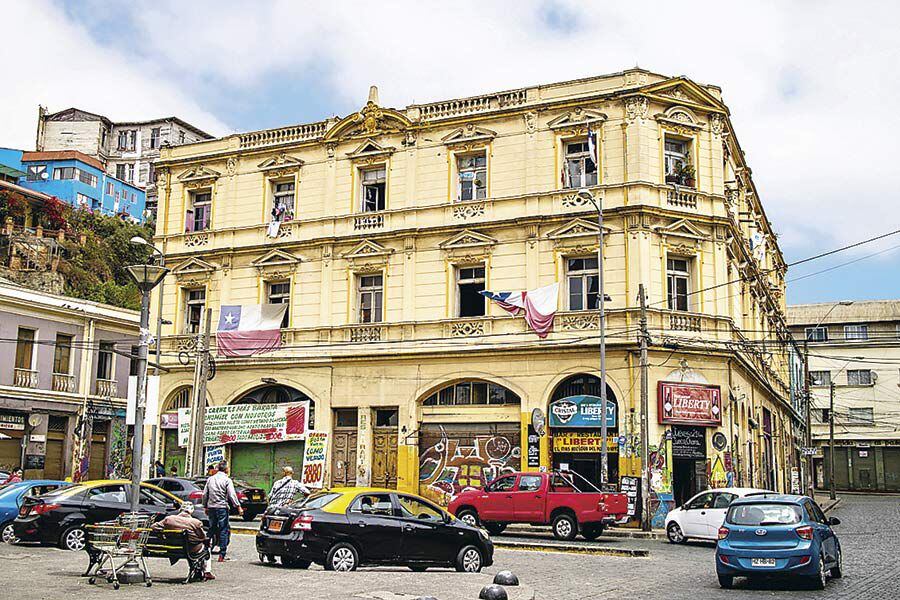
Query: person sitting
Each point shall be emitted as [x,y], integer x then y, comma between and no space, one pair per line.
[198,552]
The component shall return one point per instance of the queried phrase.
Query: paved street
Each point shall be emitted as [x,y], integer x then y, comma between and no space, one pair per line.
[870,534]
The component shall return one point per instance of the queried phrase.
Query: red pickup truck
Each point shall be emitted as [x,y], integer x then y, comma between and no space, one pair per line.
[541,499]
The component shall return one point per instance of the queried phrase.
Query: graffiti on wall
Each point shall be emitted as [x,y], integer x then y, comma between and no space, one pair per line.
[451,465]
[119,467]
[661,498]
[719,471]
[84,429]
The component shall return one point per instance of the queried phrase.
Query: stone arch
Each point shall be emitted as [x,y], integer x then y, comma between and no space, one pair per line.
[611,383]
[435,385]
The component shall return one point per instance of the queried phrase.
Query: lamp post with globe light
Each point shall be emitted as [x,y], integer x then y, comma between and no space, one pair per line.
[147,276]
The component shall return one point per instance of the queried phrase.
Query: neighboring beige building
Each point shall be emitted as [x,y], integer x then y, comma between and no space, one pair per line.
[391,220]
[856,347]
[127,149]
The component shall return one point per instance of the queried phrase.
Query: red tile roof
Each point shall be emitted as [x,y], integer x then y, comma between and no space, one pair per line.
[62,155]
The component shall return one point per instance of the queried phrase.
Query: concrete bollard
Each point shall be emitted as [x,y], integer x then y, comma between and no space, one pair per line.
[493,592]
[506,578]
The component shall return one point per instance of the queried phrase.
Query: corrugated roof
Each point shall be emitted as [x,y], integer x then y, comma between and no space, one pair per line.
[860,311]
[10,172]
[62,155]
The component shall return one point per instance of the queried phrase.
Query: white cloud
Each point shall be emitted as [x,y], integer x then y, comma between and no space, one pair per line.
[55,62]
[810,84]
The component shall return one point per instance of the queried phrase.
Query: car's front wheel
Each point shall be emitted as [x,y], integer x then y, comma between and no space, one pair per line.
[675,534]
[469,560]
[565,527]
[468,516]
[72,538]
[342,557]
[7,534]
[726,581]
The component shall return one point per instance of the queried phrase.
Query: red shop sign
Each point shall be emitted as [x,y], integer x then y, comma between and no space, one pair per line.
[689,403]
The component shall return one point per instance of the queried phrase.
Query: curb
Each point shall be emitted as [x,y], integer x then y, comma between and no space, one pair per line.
[244,531]
[614,533]
[831,505]
[569,548]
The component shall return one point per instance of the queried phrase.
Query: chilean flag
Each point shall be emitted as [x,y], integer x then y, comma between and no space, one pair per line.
[539,306]
[249,329]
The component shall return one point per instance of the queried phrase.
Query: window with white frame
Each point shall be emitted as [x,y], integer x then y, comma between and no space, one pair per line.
[154,138]
[125,172]
[861,416]
[87,178]
[678,161]
[197,216]
[816,334]
[279,292]
[820,378]
[373,191]
[194,304]
[856,332]
[127,139]
[583,281]
[282,201]
[60,173]
[678,280]
[472,177]
[370,292]
[110,190]
[105,358]
[859,377]
[469,284]
[581,168]
[87,201]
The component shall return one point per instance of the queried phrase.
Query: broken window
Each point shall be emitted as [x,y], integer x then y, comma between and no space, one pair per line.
[374,189]
[581,169]
[469,284]
[472,172]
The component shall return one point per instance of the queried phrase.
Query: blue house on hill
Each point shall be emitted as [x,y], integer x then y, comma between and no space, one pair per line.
[80,180]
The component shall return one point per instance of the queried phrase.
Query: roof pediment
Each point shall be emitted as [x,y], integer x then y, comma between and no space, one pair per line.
[467,238]
[370,120]
[680,90]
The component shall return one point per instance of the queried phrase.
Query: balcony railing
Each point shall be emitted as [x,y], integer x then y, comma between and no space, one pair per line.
[25,378]
[63,382]
[682,197]
[107,388]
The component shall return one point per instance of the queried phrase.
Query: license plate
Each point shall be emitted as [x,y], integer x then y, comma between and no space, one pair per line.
[275,526]
[255,497]
[762,562]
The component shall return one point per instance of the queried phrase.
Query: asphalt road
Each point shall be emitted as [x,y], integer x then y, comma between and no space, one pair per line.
[870,534]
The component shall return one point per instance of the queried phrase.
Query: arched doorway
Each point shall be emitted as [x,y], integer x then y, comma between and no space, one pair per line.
[173,455]
[574,419]
[259,464]
[469,434]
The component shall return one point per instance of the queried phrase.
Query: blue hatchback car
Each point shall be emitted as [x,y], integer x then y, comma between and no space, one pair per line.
[11,497]
[775,534]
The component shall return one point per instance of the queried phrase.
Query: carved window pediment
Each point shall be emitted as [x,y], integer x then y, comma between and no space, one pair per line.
[370,149]
[198,173]
[283,162]
[194,271]
[578,233]
[469,137]
[367,249]
[468,245]
[577,120]
[276,262]
[682,230]
[679,118]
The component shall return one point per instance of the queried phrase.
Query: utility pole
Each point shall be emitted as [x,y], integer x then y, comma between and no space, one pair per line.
[196,450]
[831,493]
[645,393]
[810,475]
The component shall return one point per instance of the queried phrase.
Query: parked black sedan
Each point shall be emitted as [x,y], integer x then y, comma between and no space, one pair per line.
[60,516]
[253,499]
[344,528]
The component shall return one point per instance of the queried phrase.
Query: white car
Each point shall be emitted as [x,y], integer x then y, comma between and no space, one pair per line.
[701,516]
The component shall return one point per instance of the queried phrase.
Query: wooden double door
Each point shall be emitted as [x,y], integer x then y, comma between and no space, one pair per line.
[384,457]
[343,458]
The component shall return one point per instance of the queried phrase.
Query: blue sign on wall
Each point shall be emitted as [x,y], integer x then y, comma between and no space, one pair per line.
[582,411]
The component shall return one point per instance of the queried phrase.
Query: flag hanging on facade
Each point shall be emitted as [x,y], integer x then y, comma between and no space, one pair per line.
[592,145]
[538,305]
[249,329]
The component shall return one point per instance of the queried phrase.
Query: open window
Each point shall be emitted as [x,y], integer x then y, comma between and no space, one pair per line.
[580,166]
[370,292]
[194,303]
[283,201]
[469,284]
[373,193]
[678,165]
[279,292]
[197,215]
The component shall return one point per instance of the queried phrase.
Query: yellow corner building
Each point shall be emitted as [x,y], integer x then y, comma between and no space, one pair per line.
[379,229]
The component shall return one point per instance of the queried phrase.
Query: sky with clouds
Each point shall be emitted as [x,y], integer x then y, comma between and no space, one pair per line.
[809,83]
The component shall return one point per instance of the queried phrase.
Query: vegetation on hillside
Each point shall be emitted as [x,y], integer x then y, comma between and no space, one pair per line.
[96,249]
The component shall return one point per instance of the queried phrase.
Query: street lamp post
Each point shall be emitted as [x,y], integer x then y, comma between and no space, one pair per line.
[601,307]
[146,276]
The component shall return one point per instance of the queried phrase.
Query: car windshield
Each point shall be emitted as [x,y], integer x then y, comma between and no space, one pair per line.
[317,500]
[762,514]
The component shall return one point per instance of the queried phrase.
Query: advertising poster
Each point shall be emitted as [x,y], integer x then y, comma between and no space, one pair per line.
[314,459]
[242,423]
[581,411]
[534,447]
[689,403]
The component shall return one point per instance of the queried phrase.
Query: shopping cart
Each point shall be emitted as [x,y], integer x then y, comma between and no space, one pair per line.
[114,544]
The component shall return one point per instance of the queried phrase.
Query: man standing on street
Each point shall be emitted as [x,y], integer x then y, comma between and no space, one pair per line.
[218,497]
[285,489]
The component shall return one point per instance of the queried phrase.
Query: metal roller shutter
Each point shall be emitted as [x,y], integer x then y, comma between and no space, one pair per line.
[53,459]
[892,469]
[456,456]
[10,451]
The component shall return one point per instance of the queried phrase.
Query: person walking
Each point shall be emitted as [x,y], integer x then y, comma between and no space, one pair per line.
[14,477]
[219,496]
[198,551]
[286,489]
[159,469]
